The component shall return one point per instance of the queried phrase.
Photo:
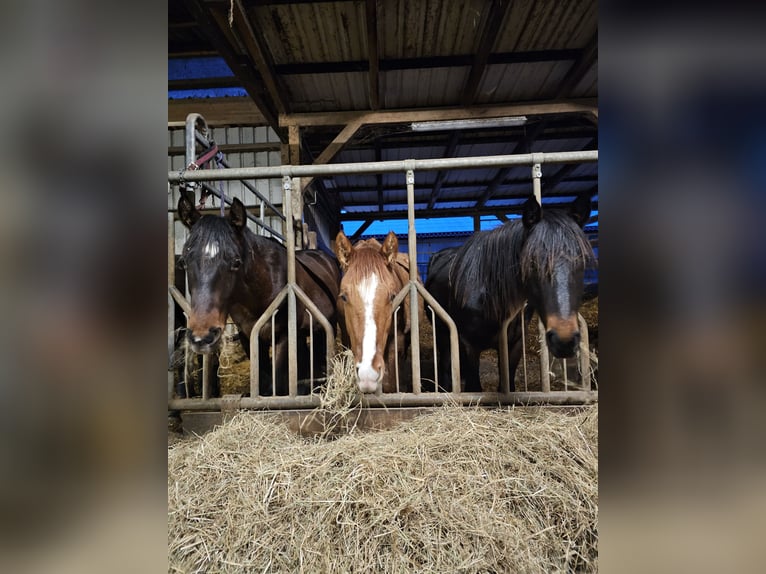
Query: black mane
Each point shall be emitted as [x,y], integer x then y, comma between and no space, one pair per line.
[212,228]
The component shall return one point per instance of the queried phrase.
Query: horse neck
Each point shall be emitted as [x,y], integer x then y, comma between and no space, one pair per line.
[265,262]
[494,269]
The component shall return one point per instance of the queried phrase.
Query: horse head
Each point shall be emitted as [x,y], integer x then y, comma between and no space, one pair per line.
[213,258]
[553,260]
[367,289]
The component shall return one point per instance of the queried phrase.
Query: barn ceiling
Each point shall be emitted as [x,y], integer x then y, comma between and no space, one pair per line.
[334,78]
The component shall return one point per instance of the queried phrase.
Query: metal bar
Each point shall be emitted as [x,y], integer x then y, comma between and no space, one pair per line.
[453,337]
[524,341]
[502,356]
[436,366]
[536,175]
[190,136]
[206,376]
[400,400]
[205,142]
[292,315]
[584,353]
[254,350]
[180,299]
[545,375]
[311,345]
[395,333]
[317,314]
[226,199]
[413,256]
[171,306]
[384,166]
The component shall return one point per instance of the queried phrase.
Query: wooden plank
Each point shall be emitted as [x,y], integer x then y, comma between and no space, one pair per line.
[427,62]
[335,146]
[372,54]
[572,106]
[218,111]
[488,37]
[260,56]
[217,37]
[204,83]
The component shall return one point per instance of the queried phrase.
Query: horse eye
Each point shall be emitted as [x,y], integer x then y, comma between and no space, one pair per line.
[182,263]
[344,298]
[236,264]
[392,297]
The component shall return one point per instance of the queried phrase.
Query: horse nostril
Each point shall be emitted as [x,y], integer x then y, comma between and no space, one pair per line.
[215,332]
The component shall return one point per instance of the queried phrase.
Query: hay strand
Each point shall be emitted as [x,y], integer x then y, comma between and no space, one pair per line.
[466,490]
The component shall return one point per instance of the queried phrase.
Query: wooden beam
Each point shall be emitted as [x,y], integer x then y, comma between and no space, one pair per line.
[331,150]
[574,106]
[213,33]
[430,213]
[218,111]
[502,217]
[580,67]
[488,37]
[427,62]
[523,146]
[506,186]
[260,56]
[442,175]
[204,83]
[372,53]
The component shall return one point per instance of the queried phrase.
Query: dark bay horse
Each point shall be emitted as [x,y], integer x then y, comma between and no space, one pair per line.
[233,271]
[373,274]
[540,258]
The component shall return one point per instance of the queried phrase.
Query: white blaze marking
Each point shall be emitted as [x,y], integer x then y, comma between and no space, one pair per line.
[367,290]
[561,283]
[211,249]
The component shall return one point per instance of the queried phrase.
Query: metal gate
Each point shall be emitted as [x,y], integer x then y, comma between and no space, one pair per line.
[290,176]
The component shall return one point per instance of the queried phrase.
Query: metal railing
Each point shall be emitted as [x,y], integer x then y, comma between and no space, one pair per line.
[292,290]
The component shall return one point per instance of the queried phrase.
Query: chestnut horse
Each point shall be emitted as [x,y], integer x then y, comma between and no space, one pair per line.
[373,274]
[233,271]
[540,258]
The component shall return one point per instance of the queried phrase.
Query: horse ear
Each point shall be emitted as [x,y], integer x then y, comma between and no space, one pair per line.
[390,247]
[237,214]
[343,250]
[532,212]
[580,210]
[187,213]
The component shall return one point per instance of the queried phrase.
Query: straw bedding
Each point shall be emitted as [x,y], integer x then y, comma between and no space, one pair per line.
[458,490]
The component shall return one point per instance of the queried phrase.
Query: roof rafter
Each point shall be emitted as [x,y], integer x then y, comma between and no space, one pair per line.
[488,37]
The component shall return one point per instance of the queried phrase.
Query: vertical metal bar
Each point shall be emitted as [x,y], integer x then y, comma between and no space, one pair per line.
[584,353]
[206,376]
[395,334]
[171,303]
[292,335]
[537,173]
[566,379]
[436,366]
[262,214]
[255,365]
[524,343]
[413,253]
[311,347]
[545,377]
[273,355]
[502,356]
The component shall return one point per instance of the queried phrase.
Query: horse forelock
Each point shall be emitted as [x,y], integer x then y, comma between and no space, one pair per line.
[212,238]
[554,241]
[488,262]
[367,260]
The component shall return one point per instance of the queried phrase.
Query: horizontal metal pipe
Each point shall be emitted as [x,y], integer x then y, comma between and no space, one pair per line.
[265,200]
[400,400]
[383,166]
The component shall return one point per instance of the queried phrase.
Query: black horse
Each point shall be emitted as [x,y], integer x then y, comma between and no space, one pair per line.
[540,258]
[233,271]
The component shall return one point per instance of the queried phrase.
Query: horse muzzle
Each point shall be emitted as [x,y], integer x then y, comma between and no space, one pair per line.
[205,343]
[368,378]
[562,347]
[563,336]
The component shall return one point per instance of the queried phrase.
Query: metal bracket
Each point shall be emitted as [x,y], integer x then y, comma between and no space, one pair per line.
[410,177]
[537,171]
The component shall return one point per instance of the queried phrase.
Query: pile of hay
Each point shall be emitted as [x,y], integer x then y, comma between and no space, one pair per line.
[466,490]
